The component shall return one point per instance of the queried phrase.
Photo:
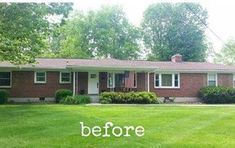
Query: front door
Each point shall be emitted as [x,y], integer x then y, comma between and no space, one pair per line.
[93,83]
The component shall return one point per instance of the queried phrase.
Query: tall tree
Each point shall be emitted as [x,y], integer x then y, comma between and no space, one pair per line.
[113,36]
[25,27]
[175,28]
[102,33]
[72,39]
[227,53]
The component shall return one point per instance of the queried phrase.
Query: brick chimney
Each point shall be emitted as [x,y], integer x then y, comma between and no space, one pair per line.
[176,58]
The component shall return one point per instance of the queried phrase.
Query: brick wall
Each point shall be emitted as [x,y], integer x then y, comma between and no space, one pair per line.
[190,84]
[23,85]
[225,79]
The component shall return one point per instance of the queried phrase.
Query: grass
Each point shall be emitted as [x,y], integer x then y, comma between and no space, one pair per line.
[165,126]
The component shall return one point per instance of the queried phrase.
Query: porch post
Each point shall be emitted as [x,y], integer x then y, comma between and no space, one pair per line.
[74,84]
[148,82]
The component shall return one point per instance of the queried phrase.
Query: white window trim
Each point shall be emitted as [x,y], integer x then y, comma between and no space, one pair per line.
[173,80]
[40,82]
[65,82]
[216,80]
[10,80]
[113,79]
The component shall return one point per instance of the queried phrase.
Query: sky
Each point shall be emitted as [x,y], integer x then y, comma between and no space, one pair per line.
[221,14]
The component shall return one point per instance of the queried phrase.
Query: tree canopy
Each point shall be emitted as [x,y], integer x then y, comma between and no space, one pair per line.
[71,40]
[25,29]
[30,30]
[102,33]
[227,53]
[175,28]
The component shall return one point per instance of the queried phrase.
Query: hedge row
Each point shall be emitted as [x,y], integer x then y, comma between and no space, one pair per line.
[128,98]
[215,95]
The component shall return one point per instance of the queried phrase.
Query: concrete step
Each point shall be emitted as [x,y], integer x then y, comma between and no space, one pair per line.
[94,98]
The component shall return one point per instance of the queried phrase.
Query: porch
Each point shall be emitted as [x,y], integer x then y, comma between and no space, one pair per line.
[95,82]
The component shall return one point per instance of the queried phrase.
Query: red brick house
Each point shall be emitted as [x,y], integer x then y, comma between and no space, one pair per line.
[174,78]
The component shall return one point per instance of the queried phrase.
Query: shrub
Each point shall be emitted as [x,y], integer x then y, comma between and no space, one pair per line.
[128,98]
[62,94]
[68,100]
[3,96]
[79,99]
[214,95]
[106,97]
[83,99]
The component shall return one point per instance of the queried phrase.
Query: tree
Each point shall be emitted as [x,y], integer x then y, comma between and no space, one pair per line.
[102,33]
[175,28]
[113,36]
[227,53]
[25,27]
[72,39]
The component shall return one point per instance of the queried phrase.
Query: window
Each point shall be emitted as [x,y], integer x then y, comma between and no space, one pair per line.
[119,80]
[40,77]
[167,80]
[5,79]
[110,80]
[212,80]
[92,76]
[157,82]
[121,77]
[65,77]
[176,80]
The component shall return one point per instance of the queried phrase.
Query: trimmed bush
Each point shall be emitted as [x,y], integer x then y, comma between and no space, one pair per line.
[62,94]
[3,96]
[79,99]
[215,95]
[128,98]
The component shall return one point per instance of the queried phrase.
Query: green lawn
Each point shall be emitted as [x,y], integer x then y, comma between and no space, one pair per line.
[165,126]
